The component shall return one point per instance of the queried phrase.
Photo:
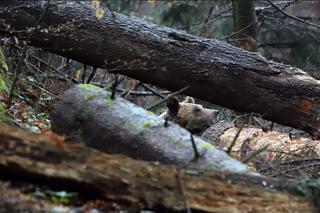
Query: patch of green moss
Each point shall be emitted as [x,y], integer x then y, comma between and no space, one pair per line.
[150,113]
[3,85]
[3,73]
[88,87]
[108,101]
[181,145]
[206,146]
[90,97]
[3,113]
[148,124]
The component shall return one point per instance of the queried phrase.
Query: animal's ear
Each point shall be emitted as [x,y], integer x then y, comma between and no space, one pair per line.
[173,104]
[189,100]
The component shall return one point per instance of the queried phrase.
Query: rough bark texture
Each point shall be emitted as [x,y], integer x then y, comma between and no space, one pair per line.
[38,159]
[12,200]
[245,24]
[272,153]
[215,71]
[118,126]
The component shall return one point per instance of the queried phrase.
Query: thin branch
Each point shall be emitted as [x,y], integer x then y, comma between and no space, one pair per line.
[169,96]
[254,154]
[195,149]
[92,74]
[237,32]
[24,51]
[45,81]
[152,90]
[210,19]
[114,86]
[291,16]
[183,191]
[235,139]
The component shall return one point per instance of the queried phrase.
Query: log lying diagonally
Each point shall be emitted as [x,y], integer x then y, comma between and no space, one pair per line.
[35,158]
[272,153]
[215,71]
[118,126]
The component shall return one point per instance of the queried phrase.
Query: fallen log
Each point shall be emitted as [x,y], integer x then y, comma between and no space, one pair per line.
[118,126]
[12,200]
[215,71]
[39,159]
[272,153]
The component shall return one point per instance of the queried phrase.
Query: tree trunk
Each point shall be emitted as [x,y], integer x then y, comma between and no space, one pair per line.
[118,126]
[245,24]
[272,153]
[38,159]
[215,71]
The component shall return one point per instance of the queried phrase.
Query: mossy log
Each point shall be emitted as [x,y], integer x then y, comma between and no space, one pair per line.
[215,71]
[118,126]
[41,160]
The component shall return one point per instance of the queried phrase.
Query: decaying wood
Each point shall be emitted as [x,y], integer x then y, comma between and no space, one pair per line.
[37,158]
[14,201]
[281,155]
[215,71]
[118,126]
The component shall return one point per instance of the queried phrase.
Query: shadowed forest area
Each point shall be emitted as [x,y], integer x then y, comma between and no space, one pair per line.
[159,106]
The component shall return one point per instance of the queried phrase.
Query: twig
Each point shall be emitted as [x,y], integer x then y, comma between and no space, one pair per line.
[92,74]
[103,77]
[235,139]
[183,192]
[211,18]
[254,154]
[195,149]
[168,97]
[111,11]
[45,81]
[300,160]
[206,22]
[128,92]
[166,124]
[291,16]
[40,88]
[114,86]
[237,32]
[152,90]
[287,3]
[24,51]
[84,73]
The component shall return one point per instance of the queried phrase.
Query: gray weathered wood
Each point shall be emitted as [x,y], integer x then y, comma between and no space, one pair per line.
[118,126]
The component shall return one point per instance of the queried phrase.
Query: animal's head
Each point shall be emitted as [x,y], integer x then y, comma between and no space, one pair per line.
[189,115]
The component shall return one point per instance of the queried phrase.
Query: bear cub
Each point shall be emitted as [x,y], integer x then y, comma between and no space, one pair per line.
[189,115]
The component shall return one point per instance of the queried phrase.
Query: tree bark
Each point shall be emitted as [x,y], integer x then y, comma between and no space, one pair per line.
[215,71]
[118,126]
[271,153]
[39,159]
[245,24]
[12,200]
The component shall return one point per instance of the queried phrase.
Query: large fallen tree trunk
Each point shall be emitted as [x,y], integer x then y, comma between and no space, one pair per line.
[118,126]
[215,71]
[272,153]
[35,158]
